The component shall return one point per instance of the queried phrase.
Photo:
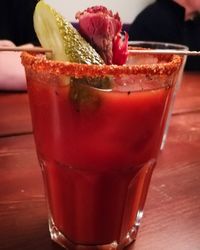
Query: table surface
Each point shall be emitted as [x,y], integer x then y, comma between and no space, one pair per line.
[172,212]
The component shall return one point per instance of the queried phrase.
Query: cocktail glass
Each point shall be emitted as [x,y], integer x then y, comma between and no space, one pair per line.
[166,46]
[97,130]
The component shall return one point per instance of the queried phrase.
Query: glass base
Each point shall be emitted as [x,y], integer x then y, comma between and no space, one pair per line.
[60,239]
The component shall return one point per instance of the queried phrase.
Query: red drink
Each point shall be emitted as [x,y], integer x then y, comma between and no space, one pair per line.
[97,148]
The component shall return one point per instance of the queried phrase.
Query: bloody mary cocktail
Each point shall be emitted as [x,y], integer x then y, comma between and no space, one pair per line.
[97,147]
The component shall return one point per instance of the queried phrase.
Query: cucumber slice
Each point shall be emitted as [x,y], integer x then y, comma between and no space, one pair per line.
[55,33]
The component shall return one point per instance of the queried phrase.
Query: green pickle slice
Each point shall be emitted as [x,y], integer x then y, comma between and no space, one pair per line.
[57,34]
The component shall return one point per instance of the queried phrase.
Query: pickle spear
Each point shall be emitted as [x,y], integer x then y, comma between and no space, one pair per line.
[57,34]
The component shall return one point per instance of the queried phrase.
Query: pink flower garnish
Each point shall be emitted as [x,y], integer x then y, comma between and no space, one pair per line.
[101,28]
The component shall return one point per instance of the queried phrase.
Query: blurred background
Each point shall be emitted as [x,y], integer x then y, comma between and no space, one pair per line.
[127,9]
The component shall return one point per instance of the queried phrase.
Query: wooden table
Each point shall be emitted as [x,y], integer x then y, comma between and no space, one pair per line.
[172,213]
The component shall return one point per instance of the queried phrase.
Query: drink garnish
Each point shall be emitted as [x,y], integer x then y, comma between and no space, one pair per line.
[99,26]
[102,29]
[57,34]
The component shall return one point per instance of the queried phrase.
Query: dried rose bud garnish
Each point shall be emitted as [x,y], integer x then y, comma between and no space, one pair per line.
[102,29]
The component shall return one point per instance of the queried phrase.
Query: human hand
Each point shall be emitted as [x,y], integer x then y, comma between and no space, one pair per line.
[6,43]
[12,74]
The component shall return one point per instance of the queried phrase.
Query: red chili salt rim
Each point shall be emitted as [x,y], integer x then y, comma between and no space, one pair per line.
[39,63]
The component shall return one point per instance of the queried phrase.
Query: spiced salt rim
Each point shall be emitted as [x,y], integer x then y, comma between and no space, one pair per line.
[39,63]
